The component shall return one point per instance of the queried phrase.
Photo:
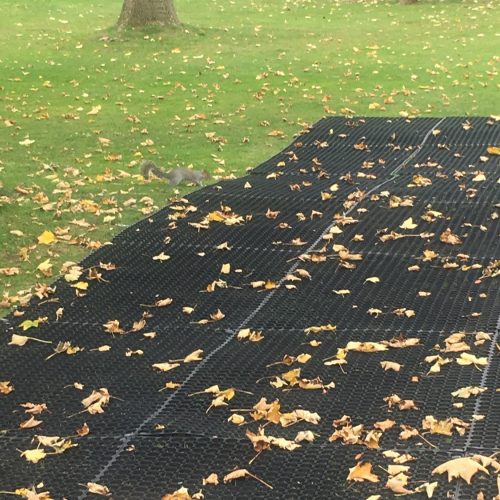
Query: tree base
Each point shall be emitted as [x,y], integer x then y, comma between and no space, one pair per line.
[136,13]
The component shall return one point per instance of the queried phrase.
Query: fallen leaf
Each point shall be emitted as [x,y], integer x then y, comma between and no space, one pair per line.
[450,238]
[21,340]
[365,346]
[242,473]
[98,489]
[194,356]
[34,455]
[30,423]
[390,365]
[408,224]
[464,467]
[34,409]
[161,257]
[467,392]
[83,430]
[362,471]
[469,359]
[6,387]
[211,479]
[47,238]
[397,484]
[97,399]
[165,367]
[95,110]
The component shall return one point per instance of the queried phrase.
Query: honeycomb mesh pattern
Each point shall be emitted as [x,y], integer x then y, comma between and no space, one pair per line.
[150,441]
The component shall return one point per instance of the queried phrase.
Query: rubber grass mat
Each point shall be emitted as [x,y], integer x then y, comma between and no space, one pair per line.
[325,327]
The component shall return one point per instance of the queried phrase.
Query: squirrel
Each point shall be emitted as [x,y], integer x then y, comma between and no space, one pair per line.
[176,175]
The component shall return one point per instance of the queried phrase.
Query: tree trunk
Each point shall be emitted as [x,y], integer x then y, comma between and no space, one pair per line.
[148,12]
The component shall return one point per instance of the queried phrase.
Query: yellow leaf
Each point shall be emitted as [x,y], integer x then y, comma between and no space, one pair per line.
[81,285]
[408,224]
[95,110]
[34,455]
[480,177]
[161,257]
[373,279]
[28,323]
[45,268]
[46,238]
[303,358]
[469,359]
[493,150]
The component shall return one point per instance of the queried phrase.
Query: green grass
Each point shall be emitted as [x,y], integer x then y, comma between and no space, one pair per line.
[236,68]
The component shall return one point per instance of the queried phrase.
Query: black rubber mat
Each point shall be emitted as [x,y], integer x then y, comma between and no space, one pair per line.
[366,234]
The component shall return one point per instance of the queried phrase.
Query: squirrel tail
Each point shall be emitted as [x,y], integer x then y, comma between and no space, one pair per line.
[148,167]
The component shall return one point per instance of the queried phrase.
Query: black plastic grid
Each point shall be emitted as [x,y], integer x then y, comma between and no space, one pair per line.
[136,385]
[444,310]
[156,466]
[130,451]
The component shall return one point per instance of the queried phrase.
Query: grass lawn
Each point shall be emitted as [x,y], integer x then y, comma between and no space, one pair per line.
[81,104]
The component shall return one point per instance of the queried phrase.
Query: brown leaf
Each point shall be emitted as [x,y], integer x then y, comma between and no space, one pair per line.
[21,340]
[180,494]
[362,471]
[165,367]
[466,392]
[28,424]
[6,387]
[113,326]
[390,365]
[83,430]
[211,479]
[98,489]
[242,473]
[365,346]
[397,485]
[97,399]
[384,424]
[450,238]
[464,467]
